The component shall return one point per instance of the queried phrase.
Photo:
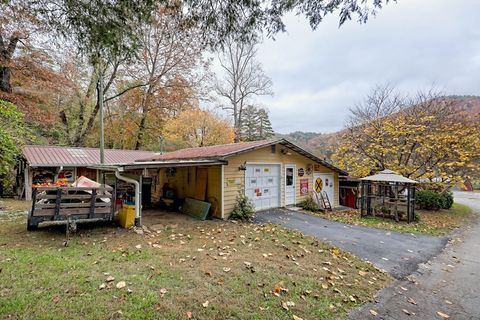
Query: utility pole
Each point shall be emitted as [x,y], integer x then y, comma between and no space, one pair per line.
[100,106]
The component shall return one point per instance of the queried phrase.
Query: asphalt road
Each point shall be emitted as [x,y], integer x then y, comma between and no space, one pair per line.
[397,253]
[448,285]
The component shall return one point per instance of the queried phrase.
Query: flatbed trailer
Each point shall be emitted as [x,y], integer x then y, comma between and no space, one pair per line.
[63,205]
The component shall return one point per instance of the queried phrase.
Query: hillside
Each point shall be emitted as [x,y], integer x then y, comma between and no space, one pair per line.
[324,144]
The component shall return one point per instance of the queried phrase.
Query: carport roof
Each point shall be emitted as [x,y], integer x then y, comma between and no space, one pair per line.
[220,152]
[53,156]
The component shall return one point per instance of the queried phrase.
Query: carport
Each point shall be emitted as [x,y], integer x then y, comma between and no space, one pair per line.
[172,181]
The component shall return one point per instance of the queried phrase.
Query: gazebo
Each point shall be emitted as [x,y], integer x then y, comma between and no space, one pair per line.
[389,195]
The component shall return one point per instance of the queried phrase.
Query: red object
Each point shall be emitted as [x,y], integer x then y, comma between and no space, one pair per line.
[349,198]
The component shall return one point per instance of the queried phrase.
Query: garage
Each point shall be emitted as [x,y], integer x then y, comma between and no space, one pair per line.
[262,185]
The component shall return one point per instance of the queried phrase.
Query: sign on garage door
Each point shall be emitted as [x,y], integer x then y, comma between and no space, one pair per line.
[262,185]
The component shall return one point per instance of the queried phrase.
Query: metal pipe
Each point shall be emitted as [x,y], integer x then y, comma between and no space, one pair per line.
[138,194]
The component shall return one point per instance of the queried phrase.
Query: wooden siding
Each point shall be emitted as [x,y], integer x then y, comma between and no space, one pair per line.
[235,178]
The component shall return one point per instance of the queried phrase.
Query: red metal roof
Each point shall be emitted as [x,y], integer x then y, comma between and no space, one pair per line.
[226,150]
[212,151]
[44,156]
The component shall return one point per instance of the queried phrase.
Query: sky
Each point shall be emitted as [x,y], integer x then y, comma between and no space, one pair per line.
[413,45]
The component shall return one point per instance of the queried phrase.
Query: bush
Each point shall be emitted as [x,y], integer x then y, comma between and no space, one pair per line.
[447,199]
[431,200]
[309,204]
[244,208]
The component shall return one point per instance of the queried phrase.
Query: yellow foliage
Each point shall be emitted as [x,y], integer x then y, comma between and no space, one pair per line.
[199,128]
[433,146]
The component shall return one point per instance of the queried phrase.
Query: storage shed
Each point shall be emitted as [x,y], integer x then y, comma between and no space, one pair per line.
[48,164]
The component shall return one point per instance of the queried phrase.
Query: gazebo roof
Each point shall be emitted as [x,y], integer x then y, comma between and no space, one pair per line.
[388,176]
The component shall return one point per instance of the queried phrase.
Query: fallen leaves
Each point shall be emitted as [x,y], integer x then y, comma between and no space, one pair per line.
[443,315]
[205,304]
[373,312]
[287,305]
[163,291]
[407,312]
[121,285]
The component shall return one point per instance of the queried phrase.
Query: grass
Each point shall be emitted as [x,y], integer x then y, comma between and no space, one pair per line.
[244,271]
[437,223]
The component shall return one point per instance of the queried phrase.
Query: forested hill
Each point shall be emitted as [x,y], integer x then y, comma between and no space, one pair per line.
[324,144]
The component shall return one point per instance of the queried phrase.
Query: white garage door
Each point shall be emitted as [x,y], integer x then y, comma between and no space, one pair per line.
[262,185]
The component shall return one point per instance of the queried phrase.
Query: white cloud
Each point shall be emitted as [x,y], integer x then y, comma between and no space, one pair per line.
[413,44]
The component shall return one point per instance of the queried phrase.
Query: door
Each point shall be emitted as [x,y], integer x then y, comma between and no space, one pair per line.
[290,184]
[262,185]
[324,183]
[146,192]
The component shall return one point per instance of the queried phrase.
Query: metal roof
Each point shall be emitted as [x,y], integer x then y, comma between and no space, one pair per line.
[172,164]
[221,152]
[54,156]
[388,176]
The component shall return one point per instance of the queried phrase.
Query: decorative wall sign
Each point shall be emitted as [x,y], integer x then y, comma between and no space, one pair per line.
[318,185]
[317,167]
[301,172]
[309,169]
[303,187]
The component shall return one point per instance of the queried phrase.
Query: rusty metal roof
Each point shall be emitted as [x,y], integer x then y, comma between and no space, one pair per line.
[227,150]
[222,150]
[54,156]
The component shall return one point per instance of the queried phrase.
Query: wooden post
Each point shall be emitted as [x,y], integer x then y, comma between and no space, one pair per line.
[28,183]
[409,216]
[92,203]
[57,204]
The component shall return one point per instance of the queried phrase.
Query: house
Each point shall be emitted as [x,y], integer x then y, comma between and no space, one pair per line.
[48,164]
[272,173]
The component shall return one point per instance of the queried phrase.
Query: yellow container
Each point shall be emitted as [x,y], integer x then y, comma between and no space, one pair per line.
[126,216]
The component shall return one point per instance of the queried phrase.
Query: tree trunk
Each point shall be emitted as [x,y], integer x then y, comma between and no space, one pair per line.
[141,131]
[5,74]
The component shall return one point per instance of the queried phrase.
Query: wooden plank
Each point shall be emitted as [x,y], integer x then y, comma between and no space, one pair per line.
[71,211]
[201,184]
[71,205]
[73,196]
[73,188]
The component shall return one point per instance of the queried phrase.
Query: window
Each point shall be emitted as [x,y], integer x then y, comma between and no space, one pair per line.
[289,177]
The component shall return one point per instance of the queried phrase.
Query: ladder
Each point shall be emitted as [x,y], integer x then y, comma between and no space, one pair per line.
[326,202]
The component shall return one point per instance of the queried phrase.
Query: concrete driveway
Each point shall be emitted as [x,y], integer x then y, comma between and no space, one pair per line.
[397,253]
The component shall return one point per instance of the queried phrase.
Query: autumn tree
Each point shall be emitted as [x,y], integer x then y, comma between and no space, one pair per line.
[421,137]
[13,135]
[256,124]
[171,69]
[243,80]
[199,128]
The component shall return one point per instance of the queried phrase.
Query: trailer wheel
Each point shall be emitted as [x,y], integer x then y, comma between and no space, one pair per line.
[31,226]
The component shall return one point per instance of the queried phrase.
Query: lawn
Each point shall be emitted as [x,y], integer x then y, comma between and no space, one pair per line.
[179,269]
[435,223]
